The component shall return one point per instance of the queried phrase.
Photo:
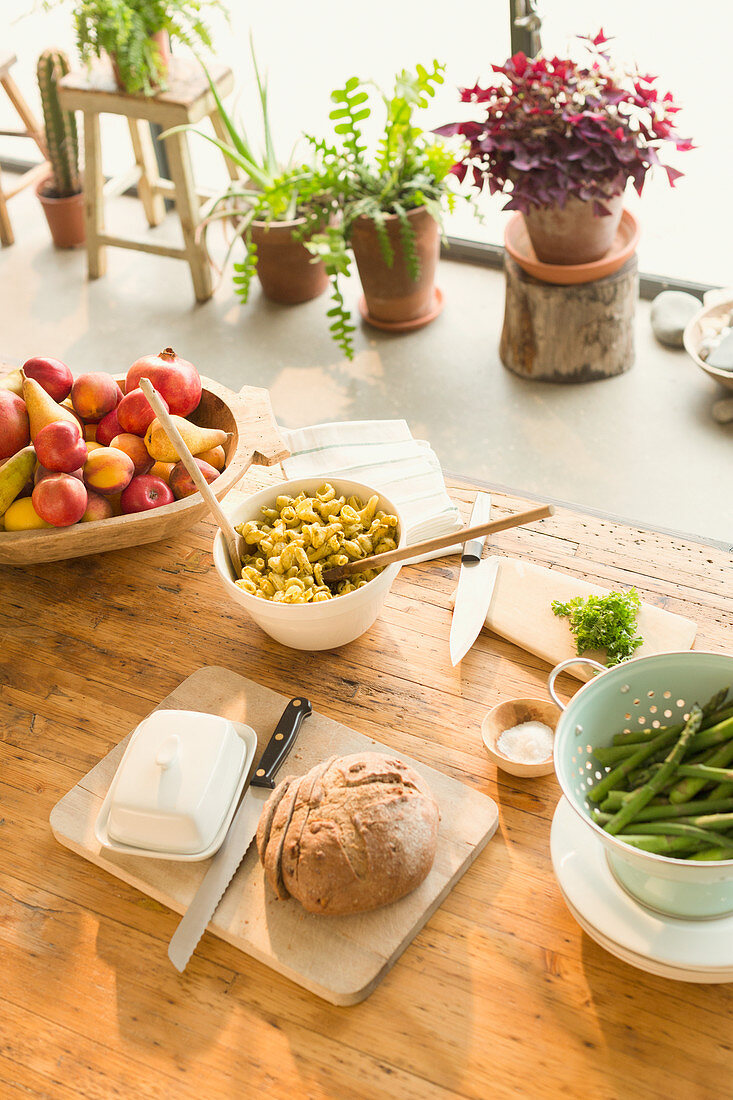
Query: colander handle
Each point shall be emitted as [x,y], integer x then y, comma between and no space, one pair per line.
[561,668]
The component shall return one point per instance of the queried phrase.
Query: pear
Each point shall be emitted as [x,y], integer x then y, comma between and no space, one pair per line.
[12,382]
[42,409]
[15,473]
[197,439]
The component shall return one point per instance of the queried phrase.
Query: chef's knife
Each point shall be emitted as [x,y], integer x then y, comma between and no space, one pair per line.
[239,837]
[475,586]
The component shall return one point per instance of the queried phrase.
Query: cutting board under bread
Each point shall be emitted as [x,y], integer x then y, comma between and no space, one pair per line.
[521,611]
[339,958]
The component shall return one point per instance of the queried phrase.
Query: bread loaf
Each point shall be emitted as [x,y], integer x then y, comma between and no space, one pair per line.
[354,833]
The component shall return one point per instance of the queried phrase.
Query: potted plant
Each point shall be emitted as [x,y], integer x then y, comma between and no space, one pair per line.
[60,194]
[273,210]
[390,205]
[562,139]
[136,35]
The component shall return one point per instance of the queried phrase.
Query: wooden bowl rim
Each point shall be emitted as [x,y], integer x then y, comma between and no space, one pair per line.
[493,726]
[691,339]
[226,480]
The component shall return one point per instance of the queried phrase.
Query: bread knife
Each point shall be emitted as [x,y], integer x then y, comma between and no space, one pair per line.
[239,837]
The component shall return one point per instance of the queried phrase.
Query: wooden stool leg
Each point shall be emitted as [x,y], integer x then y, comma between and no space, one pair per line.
[6,229]
[142,144]
[223,134]
[93,196]
[188,210]
[26,115]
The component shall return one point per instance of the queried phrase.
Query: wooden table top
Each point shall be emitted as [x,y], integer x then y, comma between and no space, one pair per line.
[500,995]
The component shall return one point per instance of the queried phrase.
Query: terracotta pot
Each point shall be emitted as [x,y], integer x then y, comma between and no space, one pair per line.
[163,42]
[65,217]
[391,294]
[573,234]
[285,267]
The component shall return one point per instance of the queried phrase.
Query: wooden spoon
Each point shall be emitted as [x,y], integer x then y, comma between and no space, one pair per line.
[234,541]
[441,542]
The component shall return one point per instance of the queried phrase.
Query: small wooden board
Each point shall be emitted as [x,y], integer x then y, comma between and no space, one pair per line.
[341,959]
[521,611]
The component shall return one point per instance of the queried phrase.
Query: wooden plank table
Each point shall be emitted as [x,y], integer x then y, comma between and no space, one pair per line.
[500,995]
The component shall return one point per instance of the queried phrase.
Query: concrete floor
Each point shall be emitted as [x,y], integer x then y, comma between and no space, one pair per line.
[642,446]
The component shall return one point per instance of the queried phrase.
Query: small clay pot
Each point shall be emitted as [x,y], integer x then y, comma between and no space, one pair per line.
[286,269]
[391,294]
[573,234]
[65,217]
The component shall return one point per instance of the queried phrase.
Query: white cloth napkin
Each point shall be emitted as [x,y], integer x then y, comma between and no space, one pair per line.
[384,454]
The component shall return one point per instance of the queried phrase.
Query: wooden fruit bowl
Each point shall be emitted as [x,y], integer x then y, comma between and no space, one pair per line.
[255,440]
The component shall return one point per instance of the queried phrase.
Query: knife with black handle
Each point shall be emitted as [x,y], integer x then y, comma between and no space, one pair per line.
[239,837]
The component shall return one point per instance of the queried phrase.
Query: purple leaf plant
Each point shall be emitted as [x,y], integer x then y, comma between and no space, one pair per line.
[551,129]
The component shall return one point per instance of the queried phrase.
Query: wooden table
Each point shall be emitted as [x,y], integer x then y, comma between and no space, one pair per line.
[500,995]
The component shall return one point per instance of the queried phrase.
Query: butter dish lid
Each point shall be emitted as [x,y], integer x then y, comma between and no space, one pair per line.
[176,782]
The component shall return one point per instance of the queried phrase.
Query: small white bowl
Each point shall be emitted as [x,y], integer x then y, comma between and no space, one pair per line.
[511,713]
[311,626]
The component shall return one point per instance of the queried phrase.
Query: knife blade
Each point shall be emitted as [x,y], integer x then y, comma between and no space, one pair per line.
[239,837]
[475,586]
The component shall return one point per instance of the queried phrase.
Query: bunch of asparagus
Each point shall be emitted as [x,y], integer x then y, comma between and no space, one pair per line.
[670,790]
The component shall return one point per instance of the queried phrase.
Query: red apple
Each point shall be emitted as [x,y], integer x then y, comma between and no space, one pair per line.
[107,428]
[94,395]
[52,375]
[176,379]
[134,412]
[42,472]
[60,447]
[98,507]
[60,499]
[15,432]
[145,492]
[183,484]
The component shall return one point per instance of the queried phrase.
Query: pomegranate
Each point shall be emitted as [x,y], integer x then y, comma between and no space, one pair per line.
[174,378]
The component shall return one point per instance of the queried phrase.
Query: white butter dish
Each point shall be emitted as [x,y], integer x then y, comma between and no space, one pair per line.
[177,786]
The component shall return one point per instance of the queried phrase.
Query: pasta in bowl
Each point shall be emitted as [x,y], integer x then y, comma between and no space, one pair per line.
[292,533]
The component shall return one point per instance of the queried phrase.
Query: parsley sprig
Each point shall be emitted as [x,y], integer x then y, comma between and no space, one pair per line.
[604,622]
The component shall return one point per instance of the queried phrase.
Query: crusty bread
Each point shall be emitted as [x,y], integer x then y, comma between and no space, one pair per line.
[354,833]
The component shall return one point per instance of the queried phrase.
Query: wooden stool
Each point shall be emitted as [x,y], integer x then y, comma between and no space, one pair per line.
[32,130]
[187,99]
[576,333]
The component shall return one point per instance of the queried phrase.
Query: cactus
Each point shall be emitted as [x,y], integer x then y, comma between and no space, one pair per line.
[61,137]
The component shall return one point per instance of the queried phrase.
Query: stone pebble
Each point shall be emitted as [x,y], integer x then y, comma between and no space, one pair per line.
[671,311]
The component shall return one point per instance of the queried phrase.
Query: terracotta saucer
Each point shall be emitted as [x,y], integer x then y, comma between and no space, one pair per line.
[519,247]
[404,326]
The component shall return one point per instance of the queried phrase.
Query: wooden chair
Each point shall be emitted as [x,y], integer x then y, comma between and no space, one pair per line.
[188,98]
[32,130]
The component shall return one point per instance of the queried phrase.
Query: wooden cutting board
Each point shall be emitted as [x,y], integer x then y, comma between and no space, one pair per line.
[521,611]
[339,958]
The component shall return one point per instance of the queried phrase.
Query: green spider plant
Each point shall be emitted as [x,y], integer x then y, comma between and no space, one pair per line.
[269,190]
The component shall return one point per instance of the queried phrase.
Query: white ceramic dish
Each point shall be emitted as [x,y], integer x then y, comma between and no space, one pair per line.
[686,950]
[311,626]
[514,712]
[249,737]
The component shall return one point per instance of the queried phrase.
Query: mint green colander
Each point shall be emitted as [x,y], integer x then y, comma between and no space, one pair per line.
[644,693]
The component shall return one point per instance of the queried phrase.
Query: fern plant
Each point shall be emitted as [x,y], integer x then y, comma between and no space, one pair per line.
[124,29]
[408,169]
[270,190]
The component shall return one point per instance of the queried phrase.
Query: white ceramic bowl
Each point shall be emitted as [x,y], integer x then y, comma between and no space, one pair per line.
[328,623]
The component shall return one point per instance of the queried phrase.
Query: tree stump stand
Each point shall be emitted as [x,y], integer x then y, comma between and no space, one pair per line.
[576,333]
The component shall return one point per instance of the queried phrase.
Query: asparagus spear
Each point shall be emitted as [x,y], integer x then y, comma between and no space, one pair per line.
[663,811]
[678,846]
[712,718]
[676,828]
[706,772]
[687,788]
[630,809]
[711,853]
[721,822]
[612,778]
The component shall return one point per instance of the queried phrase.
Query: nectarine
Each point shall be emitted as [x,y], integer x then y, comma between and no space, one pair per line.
[108,470]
